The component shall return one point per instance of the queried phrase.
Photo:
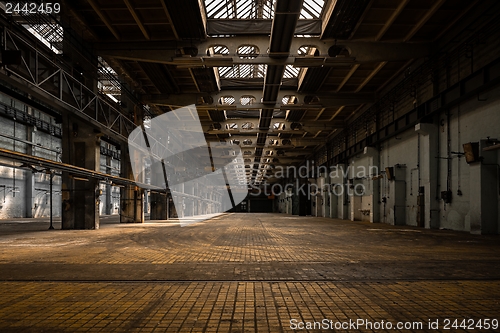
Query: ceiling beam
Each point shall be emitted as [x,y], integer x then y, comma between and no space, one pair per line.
[258,27]
[169,18]
[391,19]
[371,76]
[341,17]
[347,77]
[80,20]
[262,43]
[104,18]
[336,113]
[437,4]
[361,19]
[170,52]
[215,101]
[466,11]
[137,19]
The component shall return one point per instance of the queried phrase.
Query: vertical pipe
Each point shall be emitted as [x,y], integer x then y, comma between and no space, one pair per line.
[51,181]
[418,161]
[14,169]
[448,149]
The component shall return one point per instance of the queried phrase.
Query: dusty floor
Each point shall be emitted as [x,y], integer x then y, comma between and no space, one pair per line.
[246,273]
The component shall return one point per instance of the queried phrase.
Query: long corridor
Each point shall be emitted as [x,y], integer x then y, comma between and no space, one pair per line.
[245,273]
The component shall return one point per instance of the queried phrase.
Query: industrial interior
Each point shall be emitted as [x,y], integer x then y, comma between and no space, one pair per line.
[335,157]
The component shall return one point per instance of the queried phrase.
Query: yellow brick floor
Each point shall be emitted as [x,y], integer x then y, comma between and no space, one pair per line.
[246,273]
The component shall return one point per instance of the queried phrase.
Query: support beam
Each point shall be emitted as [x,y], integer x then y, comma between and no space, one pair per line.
[391,19]
[371,76]
[464,12]
[337,113]
[168,52]
[169,18]
[424,19]
[347,77]
[361,19]
[258,27]
[81,147]
[341,16]
[216,101]
[104,18]
[137,19]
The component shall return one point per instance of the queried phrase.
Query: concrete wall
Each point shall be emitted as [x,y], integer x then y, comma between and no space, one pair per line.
[416,164]
[26,194]
[22,192]
[110,198]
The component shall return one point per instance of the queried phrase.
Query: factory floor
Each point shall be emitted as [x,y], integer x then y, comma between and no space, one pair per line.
[246,273]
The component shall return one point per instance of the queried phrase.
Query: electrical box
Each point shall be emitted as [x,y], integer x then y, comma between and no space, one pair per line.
[471,151]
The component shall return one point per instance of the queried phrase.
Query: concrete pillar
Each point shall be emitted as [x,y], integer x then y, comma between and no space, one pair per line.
[81,147]
[302,197]
[30,176]
[484,189]
[320,197]
[131,197]
[334,206]
[374,170]
[159,206]
[355,206]
[343,205]
[429,173]
[109,205]
[341,191]
[397,196]
[334,203]
[327,197]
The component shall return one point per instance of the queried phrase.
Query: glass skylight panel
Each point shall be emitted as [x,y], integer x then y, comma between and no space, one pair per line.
[49,34]
[243,71]
[312,9]
[108,82]
[291,72]
[256,9]
[239,9]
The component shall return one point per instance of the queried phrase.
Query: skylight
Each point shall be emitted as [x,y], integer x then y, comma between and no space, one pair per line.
[49,34]
[291,72]
[256,9]
[243,71]
[108,83]
[239,9]
[311,9]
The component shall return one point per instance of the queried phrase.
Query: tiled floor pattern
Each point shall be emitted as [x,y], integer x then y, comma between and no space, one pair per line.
[237,306]
[243,273]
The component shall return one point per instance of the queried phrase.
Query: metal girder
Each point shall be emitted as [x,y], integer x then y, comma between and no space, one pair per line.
[282,35]
[169,52]
[137,19]
[391,20]
[251,100]
[104,18]
[437,4]
[248,125]
[371,76]
[169,18]
[258,27]
[340,17]
[285,19]
[347,77]
[274,131]
[74,170]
